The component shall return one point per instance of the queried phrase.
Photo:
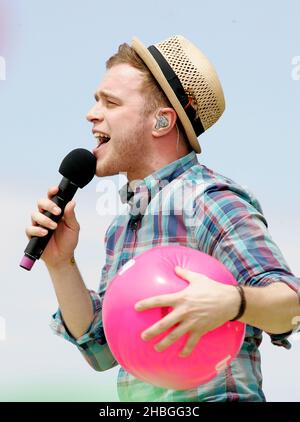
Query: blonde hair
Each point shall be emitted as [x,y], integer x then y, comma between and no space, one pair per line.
[155,96]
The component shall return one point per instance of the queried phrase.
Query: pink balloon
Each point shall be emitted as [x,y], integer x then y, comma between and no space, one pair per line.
[152,273]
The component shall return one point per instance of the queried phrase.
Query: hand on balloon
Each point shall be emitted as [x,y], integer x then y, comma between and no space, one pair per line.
[202,306]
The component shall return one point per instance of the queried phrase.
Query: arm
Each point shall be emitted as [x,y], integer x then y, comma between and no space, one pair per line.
[92,344]
[206,304]
[242,242]
[274,308]
[73,297]
[79,318]
[235,233]
[70,290]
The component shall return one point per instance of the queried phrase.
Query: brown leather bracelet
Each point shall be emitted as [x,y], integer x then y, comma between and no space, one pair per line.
[242,304]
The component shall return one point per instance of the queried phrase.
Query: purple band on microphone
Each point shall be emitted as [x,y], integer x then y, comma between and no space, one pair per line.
[27,263]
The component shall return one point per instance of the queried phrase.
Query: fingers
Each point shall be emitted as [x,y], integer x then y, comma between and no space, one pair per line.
[45,204]
[35,231]
[173,336]
[157,301]
[190,344]
[184,273]
[52,191]
[188,275]
[162,325]
[39,219]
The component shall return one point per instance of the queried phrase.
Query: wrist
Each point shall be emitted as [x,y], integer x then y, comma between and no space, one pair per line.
[240,304]
[62,264]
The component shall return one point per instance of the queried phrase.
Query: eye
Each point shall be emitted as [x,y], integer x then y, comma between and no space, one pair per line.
[110,103]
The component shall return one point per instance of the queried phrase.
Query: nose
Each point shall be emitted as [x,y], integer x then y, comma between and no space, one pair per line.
[95,113]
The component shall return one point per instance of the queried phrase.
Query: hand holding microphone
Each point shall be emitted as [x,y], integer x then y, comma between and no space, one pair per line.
[64,239]
[78,169]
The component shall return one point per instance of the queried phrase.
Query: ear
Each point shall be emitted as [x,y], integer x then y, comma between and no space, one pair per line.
[163,121]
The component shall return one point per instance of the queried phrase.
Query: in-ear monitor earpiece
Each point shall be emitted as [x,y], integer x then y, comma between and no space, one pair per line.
[161,122]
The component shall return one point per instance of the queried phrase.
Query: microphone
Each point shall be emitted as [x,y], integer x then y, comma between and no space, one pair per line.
[78,169]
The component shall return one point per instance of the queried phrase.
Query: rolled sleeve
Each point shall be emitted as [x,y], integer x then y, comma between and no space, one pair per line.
[237,235]
[294,283]
[92,344]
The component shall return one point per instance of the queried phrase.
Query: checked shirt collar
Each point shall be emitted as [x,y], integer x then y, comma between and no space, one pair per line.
[139,193]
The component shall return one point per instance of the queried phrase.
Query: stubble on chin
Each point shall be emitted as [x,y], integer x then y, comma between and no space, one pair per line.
[131,151]
[126,155]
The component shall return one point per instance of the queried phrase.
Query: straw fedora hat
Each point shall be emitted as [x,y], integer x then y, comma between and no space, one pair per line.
[189,81]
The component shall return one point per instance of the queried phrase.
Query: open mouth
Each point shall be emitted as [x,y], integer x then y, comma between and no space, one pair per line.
[101,139]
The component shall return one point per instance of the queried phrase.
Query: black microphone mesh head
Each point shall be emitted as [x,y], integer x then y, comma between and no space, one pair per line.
[79,166]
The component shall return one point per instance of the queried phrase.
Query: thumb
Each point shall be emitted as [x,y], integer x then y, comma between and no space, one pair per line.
[70,217]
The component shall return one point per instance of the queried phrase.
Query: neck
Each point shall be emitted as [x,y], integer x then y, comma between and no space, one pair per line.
[159,159]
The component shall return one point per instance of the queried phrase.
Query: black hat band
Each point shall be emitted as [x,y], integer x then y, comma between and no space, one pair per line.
[178,89]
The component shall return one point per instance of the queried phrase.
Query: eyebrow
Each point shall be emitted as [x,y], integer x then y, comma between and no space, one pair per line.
[105,94]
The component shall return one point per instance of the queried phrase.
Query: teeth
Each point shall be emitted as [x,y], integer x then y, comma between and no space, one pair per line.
[101,138]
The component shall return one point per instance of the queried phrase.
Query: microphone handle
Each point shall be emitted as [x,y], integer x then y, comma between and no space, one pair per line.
[37,245]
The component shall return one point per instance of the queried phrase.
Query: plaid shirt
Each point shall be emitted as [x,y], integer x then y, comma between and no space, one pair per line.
[218,217]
